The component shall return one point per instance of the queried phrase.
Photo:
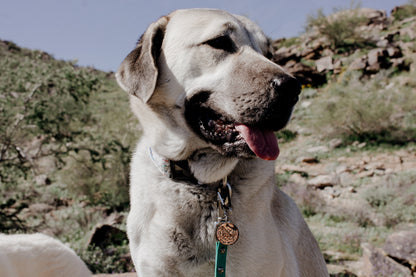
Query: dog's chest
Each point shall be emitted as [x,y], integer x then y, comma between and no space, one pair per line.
[194,216]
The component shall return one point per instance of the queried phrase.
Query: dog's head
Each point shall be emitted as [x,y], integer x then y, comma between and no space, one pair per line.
[202,78]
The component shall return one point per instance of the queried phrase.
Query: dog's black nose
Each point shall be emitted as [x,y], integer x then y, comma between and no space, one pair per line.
[287,89]
[286,84]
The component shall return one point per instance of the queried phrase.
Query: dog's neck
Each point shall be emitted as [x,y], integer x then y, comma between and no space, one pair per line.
[204,167]
[176,170]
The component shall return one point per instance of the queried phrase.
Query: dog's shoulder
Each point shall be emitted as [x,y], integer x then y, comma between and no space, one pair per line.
[295,231]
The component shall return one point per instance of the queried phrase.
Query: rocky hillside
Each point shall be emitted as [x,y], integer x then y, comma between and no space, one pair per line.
[347,157]
[374,42]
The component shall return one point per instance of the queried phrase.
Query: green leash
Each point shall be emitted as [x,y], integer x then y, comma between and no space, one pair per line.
[220,259]
[226,233]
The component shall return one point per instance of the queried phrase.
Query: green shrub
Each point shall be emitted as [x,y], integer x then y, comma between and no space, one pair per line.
[405,11]
[393,199]
[339,28]
[43,100]
[286,135]
[287,42]
[73,117]
[101,174]
[367,110]
[115,259]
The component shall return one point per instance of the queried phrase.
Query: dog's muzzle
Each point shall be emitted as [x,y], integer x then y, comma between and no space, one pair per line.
[251,132]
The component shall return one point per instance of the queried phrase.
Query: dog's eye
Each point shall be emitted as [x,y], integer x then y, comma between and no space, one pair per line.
[224,43]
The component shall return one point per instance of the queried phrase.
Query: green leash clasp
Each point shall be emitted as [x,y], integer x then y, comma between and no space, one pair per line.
[220,259]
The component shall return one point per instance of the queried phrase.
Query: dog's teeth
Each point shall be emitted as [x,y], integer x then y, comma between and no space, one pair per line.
[201,124]
[218,130]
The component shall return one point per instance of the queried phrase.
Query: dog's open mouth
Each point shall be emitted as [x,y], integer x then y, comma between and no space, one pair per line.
[233,137]
[217,129]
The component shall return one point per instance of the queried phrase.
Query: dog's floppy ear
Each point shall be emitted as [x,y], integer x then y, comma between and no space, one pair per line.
[138,72]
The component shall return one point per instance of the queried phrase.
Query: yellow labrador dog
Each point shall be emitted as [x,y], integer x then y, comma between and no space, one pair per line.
[209,100]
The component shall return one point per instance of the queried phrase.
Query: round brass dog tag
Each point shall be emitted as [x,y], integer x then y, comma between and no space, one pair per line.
[227,233]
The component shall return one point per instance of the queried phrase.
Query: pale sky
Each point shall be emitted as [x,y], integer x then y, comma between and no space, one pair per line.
[100,33]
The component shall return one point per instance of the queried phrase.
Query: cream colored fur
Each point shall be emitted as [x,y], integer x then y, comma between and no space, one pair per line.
[38,255]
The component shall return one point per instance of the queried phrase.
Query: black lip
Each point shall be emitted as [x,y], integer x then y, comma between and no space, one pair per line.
[210,125]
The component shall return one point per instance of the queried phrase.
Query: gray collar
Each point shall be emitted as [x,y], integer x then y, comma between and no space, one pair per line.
[175,170]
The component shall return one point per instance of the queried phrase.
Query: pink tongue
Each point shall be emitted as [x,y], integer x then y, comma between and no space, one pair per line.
[262,143]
